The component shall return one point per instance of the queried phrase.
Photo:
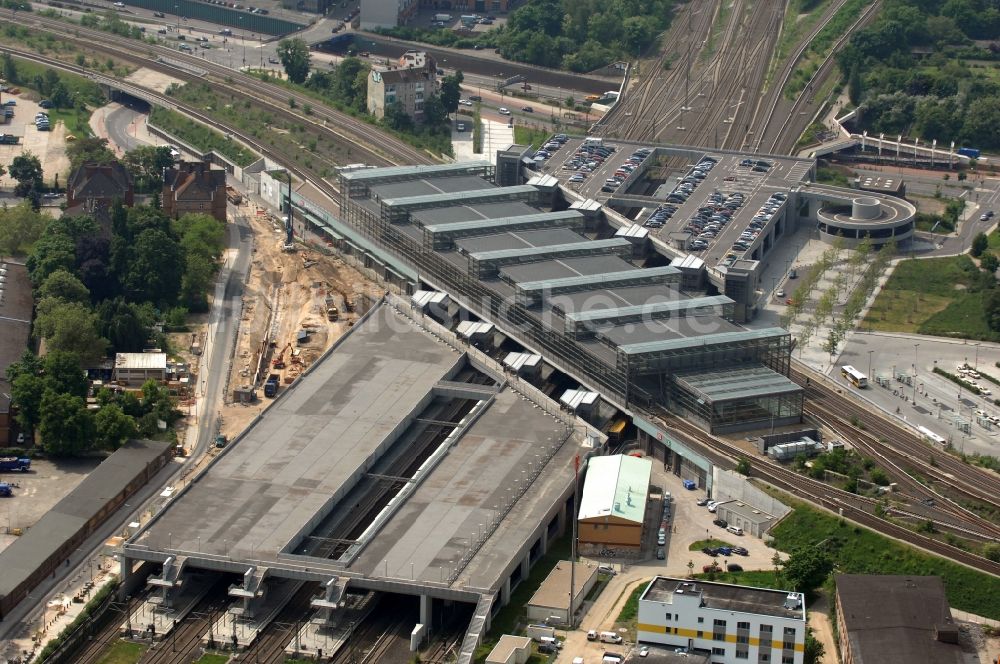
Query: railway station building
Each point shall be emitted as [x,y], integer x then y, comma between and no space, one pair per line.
[561,280]
[391,465]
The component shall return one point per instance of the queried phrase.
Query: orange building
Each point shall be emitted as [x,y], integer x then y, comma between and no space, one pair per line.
[613,505]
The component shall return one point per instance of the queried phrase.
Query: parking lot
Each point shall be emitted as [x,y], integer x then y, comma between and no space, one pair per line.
[48,146]
[37,490]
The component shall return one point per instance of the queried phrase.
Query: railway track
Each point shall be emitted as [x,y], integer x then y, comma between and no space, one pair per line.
[377,147]
[850,506]
[100,641]
[786,134]
[971,481]
[183,644]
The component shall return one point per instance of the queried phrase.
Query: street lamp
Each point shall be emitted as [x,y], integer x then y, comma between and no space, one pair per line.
[976,367]
[870,364]
[915,347]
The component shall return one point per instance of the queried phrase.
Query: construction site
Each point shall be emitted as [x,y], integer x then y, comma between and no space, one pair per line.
[298,300]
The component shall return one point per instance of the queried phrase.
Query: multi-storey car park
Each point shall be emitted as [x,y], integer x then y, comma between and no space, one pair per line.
[688,189]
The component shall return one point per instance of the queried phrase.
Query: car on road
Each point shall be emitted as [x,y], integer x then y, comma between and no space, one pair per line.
[708,569]
[724,551]
[709,551]
[465,102]
[661,554]
[721,523]
[734,567]
[780,292]
[643,651]
[527,109]
[702,502]
[607,569]
[274,61]
[159,14]
[475,98]
[712,505]
[503,110]
[740,551]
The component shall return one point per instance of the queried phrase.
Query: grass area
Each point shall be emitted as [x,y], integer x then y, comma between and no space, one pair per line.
[832,175]
[124,652]
[756,579]
[217,658]
[437,142]
[856,550]
[933,296]
[801,17]
[200,136]
[529,136]
[630,610]
[819,49]
[994,239]
[713,543]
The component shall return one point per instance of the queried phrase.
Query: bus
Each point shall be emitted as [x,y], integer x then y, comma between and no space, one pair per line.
[854,376]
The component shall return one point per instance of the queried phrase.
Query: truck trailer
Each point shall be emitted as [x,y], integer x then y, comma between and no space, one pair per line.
[271,385]
[15,463]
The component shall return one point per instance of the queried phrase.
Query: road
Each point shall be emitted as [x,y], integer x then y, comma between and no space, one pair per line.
[223,323]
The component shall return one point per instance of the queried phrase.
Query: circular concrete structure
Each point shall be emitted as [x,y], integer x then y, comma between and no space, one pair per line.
[852,217]
[866,207]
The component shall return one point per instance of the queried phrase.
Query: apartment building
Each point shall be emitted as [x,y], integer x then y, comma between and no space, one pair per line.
[728,623]
[409,82]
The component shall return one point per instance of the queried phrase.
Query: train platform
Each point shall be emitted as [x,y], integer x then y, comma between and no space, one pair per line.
[320,637]
[155,618]
[237,630]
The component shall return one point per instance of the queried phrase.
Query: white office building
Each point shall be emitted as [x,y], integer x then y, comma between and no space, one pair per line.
[731,624]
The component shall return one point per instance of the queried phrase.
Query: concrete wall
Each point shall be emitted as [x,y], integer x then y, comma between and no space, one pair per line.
[727,485]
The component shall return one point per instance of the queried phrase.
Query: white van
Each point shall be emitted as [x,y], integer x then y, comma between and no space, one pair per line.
[610,637]
[551,641]
[734,530]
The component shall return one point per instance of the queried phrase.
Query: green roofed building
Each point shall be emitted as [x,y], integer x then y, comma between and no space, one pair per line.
[614,502]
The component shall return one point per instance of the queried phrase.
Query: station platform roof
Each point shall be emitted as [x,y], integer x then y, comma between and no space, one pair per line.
[303,456]
[736,384]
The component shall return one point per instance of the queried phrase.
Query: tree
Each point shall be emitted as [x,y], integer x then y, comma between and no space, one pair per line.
[992,310]
[124,324]
[743,466]
[397,118]
[980,243]
[67,427]
[155,266]
[26,170]
[992,552]
[26,392]
[10,69]
[71,327]
[294,56]
[64,285]
[807,568]
[989,262]
[146,164]
[814,649]
[434,111]
[451,91]
[113,427]
[20,226]
[63,373]
[87,150]
[854,84]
